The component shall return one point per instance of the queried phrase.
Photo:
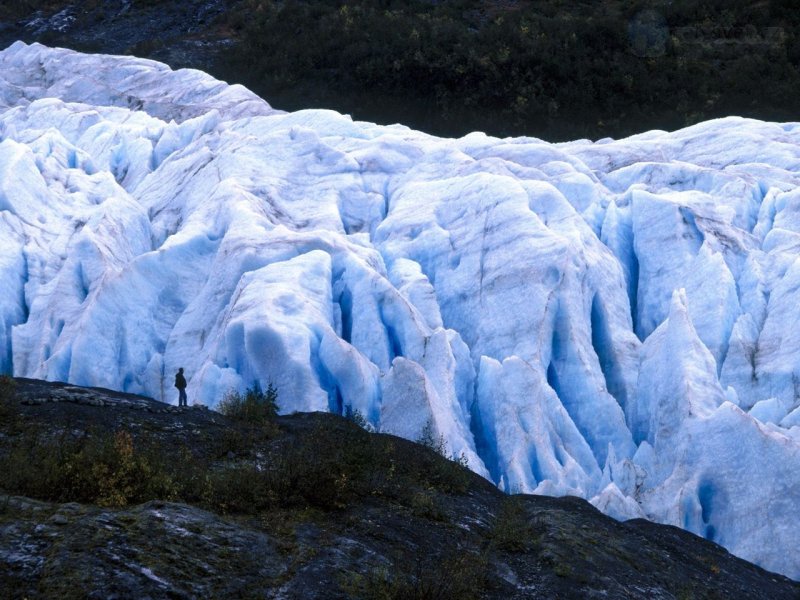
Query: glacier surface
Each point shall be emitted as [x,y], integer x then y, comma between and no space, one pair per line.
[618,320]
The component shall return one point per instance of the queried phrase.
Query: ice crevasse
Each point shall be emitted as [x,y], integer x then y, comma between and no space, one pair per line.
[618,319]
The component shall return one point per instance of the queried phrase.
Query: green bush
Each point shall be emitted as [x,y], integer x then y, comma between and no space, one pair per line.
[321,470]
[247,467]
[238,489]
[324,469]
[254,406]
[424,504]
[115,474]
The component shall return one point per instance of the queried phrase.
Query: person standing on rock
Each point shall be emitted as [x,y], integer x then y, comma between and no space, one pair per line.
[180,383]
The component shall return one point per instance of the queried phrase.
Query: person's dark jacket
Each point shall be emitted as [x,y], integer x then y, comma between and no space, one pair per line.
[180,381]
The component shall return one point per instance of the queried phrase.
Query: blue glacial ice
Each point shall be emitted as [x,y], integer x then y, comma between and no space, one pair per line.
[617,320]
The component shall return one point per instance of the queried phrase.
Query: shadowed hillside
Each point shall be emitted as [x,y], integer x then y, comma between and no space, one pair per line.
[113,495]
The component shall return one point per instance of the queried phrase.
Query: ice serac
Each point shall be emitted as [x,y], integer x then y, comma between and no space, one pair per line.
[677,380]
[531,443]
[616,320]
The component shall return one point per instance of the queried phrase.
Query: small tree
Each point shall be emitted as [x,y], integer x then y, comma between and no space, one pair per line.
[429,439]
[254,406]
[452,474]
[356,416]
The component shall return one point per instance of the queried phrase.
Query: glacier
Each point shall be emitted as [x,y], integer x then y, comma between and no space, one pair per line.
[617,320]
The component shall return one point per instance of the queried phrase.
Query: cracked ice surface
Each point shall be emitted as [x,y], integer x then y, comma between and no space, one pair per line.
[618,320]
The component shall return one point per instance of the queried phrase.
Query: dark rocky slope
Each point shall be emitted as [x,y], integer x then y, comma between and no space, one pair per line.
[189,33]
[186,503]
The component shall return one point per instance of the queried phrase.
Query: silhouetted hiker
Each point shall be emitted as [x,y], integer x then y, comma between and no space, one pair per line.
[180,383]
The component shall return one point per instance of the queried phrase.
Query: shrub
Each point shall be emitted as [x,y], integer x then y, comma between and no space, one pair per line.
[424,504]
[449,476]
[246,468]
[254,406]
[100,468]
[120,475]
[324,471]
[512,530]
[114,469]
[239,489]
[454,577]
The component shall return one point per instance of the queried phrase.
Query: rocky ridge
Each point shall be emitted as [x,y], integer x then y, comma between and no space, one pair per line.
[428,541]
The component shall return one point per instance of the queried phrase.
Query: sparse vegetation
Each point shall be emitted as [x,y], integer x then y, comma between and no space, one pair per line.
[313,505]
[451,476]
[248,468]
[455,577]
[513,530]
[99,468]
[357,417]
[423,504]
[431,440]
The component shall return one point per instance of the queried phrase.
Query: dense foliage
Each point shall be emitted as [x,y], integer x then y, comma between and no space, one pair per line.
[553,69]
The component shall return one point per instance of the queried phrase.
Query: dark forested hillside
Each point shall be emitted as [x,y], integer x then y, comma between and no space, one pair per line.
[550,68]
[553,69]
